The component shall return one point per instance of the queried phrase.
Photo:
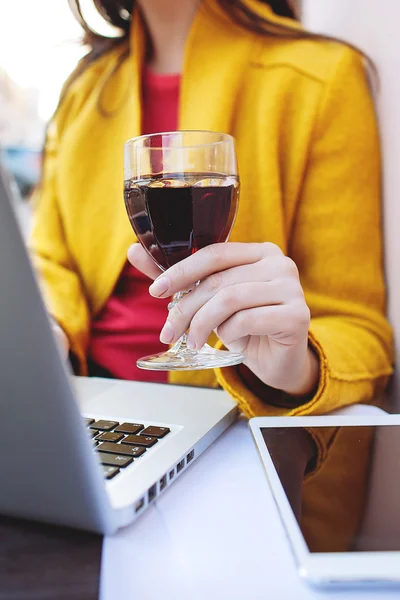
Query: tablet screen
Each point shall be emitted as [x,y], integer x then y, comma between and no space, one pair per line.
[351,502]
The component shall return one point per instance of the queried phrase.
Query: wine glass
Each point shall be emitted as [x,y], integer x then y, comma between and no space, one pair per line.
[181,194]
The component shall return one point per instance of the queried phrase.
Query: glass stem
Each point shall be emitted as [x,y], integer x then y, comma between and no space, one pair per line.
[181,344]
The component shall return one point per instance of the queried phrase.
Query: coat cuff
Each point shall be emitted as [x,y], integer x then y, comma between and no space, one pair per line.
[253,406]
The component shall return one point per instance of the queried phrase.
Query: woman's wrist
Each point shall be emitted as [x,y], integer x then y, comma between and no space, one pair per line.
[307,383]
[306,388]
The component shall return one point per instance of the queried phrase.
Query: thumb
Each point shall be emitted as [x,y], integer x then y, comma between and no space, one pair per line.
[139,258]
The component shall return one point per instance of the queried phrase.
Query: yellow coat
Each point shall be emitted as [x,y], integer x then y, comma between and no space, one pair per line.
[309,163]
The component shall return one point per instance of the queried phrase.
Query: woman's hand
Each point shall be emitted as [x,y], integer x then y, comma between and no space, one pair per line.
[251,296]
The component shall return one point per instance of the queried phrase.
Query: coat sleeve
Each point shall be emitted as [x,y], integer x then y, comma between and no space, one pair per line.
[337,244]
[60,282]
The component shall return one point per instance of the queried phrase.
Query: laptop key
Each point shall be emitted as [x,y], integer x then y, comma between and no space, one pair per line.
[129,428]
[115,460]
[138,450]
[110,472]
[158,432]
[103,425]
[93,432]
[121,449]
[88,421]
[140,440]
[110,436]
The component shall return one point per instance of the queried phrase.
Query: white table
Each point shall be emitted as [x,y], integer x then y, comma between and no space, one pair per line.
[214,535]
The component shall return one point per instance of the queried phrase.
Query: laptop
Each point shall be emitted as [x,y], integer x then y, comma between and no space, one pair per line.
[347,533]
[87,453]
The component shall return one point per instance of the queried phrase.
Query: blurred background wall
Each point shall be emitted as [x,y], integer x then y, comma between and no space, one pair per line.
[39,47]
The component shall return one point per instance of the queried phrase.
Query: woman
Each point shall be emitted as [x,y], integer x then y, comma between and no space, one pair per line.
[307,240]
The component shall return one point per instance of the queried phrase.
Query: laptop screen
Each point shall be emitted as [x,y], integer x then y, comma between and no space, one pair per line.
[351,503]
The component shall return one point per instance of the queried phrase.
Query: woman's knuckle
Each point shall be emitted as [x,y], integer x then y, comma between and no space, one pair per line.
[302,314]
[213,282]
[290,267]
[305,316]
[265,263]
[294,289]
[271,249]
[216,252]
[228,298]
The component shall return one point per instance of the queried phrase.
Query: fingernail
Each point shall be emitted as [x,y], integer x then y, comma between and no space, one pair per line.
[167,334]
[160,286]
[191,344]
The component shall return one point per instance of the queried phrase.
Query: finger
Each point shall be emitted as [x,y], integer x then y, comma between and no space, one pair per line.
[223,285]
[239,346]
[139,258]
[218,309]
[212,259]
[283,323]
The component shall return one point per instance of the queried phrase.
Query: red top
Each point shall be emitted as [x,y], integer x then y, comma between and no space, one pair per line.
[129,325]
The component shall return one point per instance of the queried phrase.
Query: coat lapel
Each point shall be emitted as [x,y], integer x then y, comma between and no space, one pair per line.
[215,59]
[118,121]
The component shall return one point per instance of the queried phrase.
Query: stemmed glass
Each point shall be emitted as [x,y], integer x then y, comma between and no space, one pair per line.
[181,193]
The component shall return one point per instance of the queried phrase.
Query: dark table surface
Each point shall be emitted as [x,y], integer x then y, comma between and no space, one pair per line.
[42,562]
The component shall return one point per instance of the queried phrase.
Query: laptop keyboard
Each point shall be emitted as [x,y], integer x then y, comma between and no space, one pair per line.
[119,444]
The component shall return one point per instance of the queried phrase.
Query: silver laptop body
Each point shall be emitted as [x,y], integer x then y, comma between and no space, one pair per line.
[48,468]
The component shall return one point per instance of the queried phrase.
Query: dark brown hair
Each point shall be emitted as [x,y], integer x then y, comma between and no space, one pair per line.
[119,12]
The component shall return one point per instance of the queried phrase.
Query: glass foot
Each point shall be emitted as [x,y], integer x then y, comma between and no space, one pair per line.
[180,358]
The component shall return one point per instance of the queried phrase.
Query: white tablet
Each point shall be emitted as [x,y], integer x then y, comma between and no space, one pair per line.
[343,518]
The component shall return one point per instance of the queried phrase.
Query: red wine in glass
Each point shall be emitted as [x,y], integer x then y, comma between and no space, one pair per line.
[177,214]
